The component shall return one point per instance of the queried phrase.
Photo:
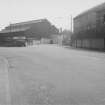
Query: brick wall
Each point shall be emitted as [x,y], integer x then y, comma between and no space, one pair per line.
[89,43]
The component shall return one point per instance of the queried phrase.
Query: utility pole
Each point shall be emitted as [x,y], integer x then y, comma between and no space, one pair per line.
[71,27]
[71,23]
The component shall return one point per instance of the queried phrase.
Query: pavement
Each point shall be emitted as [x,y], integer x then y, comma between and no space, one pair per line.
[4,82]
[51,75]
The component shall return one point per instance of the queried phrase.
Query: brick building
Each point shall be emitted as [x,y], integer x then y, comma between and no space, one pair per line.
[89,29]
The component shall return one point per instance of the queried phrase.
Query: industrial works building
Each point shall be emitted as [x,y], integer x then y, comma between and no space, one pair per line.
[89,29]
[21,34]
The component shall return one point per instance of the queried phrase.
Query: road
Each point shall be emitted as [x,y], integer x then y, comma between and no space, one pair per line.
[51,75]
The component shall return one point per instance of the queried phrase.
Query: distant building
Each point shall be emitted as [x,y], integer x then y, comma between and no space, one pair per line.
[66,37]
[89,28]
[26,32]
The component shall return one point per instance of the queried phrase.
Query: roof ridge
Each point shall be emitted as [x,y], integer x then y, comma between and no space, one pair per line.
[28,22]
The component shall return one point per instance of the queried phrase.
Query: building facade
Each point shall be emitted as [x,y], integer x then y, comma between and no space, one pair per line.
[89,29]
[27,32]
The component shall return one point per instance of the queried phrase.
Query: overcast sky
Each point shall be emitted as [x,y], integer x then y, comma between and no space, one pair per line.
[57,11]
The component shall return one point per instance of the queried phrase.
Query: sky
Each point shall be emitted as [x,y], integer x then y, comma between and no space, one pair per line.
[58,12]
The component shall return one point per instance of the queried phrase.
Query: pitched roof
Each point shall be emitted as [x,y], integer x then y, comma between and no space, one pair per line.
[28,22]
[14,30]
[96,8]
[25,26]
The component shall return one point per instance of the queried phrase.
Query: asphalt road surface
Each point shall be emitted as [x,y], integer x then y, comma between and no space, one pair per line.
[51,75]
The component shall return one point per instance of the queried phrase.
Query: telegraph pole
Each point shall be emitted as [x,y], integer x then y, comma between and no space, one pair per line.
[71,23]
